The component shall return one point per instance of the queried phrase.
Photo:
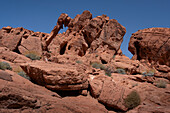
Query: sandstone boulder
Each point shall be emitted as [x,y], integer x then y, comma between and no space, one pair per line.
[113,91]
[108,92]
[56,76]
[5,76]
[152,44]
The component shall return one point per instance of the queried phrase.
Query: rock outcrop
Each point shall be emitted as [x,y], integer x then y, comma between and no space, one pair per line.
[87,35]
[64,19]
[131,66]
[152,44]
[11,37]
[21,95]
[112,91]
[56,76]
[11,56]
[21,40]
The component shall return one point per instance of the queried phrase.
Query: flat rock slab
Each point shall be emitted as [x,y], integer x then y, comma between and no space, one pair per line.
[5,76]
[56,76]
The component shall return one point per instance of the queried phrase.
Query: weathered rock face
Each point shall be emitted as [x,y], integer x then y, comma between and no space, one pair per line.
[20,95]
[21,40]
[12,57]
[86,35]
[109,92]
[31,45]
[152,44]
[10,37]
[130,66]
[56,76]
[112,92]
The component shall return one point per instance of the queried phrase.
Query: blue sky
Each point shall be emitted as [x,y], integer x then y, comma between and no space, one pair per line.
[42,15]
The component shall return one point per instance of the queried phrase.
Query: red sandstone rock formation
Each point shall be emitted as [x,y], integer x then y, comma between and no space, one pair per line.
[21,40]
[152,44]
[89,35]
[68,72]
[56,76]
[112,92]
[21,95]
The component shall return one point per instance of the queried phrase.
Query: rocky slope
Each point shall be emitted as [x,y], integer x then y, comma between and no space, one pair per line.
[83,69]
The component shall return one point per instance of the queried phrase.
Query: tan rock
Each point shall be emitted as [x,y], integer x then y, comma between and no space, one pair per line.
[150,109]
[12,37]
[163,68]
[79,21]
[112,92]
[63,19]
[7,28]
[96,85]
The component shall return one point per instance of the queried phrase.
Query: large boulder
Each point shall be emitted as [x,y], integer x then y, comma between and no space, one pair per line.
[56,76]
[152,44]
[109,92]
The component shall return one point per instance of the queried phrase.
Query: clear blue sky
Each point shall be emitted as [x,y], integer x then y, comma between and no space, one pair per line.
[42,15]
